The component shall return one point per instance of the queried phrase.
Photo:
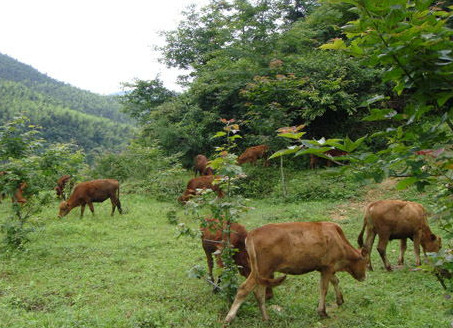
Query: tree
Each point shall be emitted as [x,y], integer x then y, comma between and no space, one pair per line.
[144,97]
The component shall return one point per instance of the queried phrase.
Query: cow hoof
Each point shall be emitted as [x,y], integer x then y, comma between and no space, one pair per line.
[389,269]
[323,314]
[340,301]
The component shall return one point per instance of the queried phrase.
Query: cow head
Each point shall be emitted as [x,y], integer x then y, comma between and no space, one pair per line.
[431,243]
[64,209]
[358,266]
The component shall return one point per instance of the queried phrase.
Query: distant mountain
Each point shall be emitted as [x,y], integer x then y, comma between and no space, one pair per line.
[65,113]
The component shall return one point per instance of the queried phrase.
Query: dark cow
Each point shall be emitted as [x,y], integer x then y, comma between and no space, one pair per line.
[61,184]
[213,237]
[297,248]
[397,219]
[201,165]
[315,160]
[89,192]
[252,154]
[203,182]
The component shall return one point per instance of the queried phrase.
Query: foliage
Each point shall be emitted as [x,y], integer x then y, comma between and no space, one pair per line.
[61,124]
[226,210]
[145,168]
[143,98]
[412,41]
[27,158]
[59,94]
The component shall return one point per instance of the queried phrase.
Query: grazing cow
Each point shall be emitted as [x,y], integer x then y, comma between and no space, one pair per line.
[89,192]
[18,195]
[397,219]
[203,182]
[212,237]
[201,165]
[61,184]
[297,248]
[315,160]
[252,154]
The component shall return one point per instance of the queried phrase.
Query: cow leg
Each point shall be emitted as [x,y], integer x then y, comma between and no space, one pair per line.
[118,204]
[334,281]
[82,210]
[403,247]
[370,236]
[323,287]
[417,240]
[260,294]
[210,264]
[246,287]
[382,246]
[90,205]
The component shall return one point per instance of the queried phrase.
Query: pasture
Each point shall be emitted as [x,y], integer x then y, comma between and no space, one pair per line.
[131,271]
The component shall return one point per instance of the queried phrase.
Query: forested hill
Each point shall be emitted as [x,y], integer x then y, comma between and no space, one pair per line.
[65,113]
[60,93]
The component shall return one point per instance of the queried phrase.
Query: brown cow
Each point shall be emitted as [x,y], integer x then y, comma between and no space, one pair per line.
[298,248]
[61,184]
[201,165]
[252,154]
[18,195]
[212,238]
[315,160]
[89,192]
[203,182]
[397,219]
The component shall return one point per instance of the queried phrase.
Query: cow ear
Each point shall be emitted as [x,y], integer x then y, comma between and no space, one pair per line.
[364,252]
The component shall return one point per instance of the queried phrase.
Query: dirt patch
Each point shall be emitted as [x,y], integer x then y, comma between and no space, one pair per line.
[384,190]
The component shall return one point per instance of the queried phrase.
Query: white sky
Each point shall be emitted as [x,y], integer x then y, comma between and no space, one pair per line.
[91,44]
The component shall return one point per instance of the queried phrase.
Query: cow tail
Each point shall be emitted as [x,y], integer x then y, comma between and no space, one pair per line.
[360,238]
[268,282]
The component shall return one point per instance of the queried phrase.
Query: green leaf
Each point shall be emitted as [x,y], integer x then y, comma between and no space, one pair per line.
[219,134]
[337,44]
[403,184]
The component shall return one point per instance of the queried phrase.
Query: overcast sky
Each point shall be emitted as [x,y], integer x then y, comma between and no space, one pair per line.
[91,44]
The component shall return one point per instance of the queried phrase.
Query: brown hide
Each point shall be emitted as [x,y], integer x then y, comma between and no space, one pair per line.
[201,165]
[18,195]
[202,182]
[89,192]
[397,219]
[252,154]
[297,248]
[213,237]
[315,160]
[61,184]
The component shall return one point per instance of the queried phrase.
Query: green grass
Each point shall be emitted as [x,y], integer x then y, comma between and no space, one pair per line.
[132,271]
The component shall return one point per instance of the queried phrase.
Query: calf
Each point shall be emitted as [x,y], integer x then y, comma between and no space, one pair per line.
[397,219]
[203,182]
[201,165]
[89,192]
[297,248]
[252,154]
[213,237]
[61,184]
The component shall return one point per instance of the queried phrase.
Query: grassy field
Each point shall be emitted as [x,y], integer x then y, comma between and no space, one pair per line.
[132,271]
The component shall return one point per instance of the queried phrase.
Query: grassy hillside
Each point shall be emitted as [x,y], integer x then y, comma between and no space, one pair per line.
[65,113]
[131,271]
